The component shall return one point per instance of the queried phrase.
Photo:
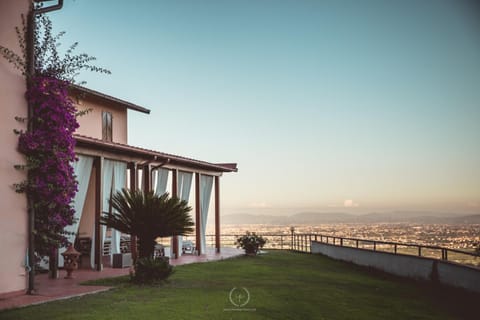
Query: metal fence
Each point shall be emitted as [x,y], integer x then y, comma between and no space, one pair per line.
[301,243]
[470,258]
[274,240]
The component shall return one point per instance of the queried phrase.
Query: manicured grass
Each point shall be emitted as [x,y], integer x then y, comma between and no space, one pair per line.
[282,285]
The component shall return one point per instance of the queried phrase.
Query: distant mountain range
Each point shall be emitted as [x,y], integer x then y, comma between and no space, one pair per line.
[323,218]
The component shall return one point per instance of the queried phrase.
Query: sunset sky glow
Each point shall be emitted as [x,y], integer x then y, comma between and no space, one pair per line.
[348,106]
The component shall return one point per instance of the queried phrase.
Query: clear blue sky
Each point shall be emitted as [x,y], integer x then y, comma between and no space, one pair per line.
[353,106]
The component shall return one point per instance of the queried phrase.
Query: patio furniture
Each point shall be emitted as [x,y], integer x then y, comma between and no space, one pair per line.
[84,246]
[188,247]
[122,260]
[159,251]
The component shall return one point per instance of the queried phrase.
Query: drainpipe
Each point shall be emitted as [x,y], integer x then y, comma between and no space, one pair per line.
[30,73]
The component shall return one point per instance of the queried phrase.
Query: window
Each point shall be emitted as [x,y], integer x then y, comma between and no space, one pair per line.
[106,126]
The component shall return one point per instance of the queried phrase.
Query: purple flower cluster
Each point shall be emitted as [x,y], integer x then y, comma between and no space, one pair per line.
[49,149]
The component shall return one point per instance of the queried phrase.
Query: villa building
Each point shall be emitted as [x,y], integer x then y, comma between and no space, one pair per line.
[106,163]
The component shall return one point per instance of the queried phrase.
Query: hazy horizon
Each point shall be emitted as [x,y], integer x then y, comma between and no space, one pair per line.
[358,211]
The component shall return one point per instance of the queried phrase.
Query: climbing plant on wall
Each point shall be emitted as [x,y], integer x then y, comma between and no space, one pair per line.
[49,144]
[49,150]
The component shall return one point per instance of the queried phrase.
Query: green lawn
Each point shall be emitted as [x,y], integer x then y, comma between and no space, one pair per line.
[282,285]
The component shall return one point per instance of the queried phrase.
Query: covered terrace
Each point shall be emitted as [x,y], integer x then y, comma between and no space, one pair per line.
[105,167]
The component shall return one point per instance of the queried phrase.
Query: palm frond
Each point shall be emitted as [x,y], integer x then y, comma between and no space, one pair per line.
[148,216]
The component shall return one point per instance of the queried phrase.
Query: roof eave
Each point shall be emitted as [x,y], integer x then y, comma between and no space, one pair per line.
[83,141]
[109,98]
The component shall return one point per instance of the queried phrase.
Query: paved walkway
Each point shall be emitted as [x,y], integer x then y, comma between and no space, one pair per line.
[57,289]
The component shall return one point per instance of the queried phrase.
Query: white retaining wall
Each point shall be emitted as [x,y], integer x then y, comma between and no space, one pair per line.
[404,265]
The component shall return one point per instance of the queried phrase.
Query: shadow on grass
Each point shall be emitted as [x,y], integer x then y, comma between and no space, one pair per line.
[456,301]
[110,282]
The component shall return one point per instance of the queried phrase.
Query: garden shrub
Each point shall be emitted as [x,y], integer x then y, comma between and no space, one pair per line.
[152,270]
[251,243]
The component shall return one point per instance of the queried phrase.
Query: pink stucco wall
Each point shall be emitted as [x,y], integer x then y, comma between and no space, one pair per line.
[91,123]
[13,212]
[13,208]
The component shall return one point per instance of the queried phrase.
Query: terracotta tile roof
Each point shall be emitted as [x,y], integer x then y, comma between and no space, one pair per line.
[146,154]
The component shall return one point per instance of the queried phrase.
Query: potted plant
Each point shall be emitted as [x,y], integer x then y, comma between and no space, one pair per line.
[251,243]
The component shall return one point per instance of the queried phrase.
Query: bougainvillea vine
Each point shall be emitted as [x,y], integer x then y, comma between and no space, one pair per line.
[49,150]
[49,144]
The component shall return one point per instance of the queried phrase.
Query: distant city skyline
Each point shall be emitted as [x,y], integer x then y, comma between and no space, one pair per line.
[328,106]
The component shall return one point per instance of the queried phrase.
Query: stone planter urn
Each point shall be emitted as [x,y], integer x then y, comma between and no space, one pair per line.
[70,261]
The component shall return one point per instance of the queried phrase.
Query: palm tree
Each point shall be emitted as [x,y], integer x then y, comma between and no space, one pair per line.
[148,216]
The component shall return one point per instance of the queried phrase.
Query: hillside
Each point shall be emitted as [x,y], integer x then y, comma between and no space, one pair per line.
[325,218]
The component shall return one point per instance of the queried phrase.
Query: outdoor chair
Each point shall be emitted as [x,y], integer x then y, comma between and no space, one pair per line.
[159,251]
[188,247]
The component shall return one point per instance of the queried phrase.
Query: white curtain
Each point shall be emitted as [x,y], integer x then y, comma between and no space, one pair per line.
[139,174]
[119,182]
[206,183]
[107,176]
[82,169]
[184,185]
[161,175]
